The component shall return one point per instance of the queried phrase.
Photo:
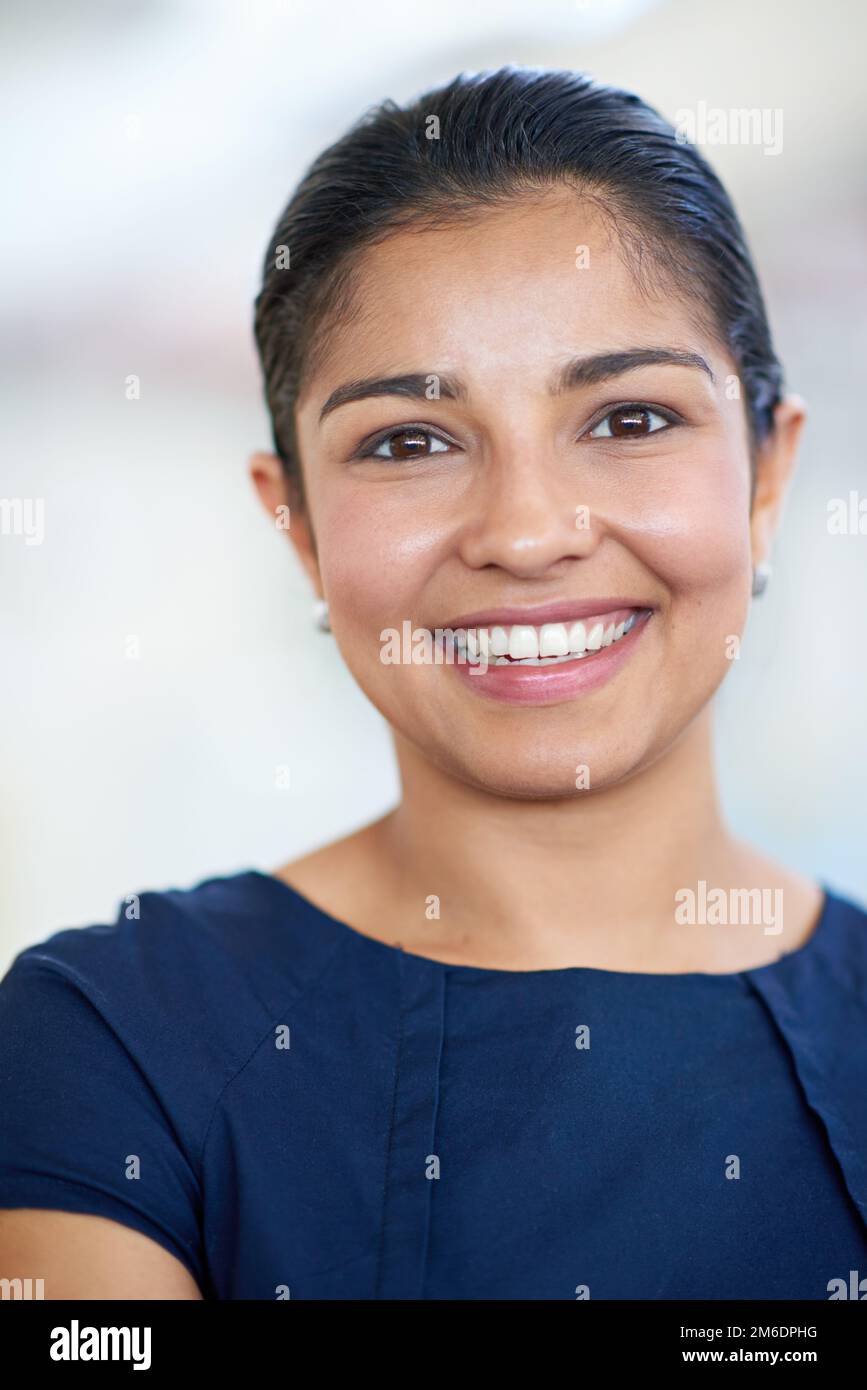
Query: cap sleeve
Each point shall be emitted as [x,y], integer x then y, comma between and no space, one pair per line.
[84,1129]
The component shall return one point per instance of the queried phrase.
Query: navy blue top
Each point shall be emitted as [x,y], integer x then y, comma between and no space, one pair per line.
[316,1114]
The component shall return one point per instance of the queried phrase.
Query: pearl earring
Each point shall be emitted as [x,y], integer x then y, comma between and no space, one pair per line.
[320,615]
[761,575]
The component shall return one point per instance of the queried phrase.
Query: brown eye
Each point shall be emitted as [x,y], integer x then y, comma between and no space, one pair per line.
[408,443]
[627,421]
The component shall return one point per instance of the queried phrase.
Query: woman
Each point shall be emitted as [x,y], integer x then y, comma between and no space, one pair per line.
[549,1029]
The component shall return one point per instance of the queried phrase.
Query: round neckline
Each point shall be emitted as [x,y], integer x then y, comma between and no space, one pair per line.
[312,909]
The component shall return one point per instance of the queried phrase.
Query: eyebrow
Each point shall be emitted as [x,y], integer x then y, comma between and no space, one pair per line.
[587,371]
[581,371]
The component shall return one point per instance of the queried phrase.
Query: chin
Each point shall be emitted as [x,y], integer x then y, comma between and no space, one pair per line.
[539,774]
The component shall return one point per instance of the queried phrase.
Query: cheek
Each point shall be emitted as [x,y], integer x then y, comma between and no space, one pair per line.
[696,541]
[375,553]
[694,533]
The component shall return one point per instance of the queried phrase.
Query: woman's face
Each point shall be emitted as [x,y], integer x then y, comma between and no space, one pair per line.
[520,492]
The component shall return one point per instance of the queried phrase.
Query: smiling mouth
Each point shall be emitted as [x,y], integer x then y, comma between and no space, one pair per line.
[548,644]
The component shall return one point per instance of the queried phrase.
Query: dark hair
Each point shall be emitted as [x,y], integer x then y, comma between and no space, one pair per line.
[498,135]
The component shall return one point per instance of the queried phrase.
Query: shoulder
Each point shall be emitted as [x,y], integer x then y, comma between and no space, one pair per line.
[827,974]
[194,973]
[119,1041]
[817,996]
[812,918]
[841,941]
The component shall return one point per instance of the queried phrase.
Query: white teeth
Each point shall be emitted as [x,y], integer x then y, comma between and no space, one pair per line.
[523,642]
[553,640]
[542,646]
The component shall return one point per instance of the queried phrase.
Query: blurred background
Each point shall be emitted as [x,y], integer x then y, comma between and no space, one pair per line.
[160,662]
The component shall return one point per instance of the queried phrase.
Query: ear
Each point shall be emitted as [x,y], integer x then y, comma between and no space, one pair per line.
[774,466]
[281,498]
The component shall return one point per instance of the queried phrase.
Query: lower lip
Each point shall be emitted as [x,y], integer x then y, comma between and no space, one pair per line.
[548,685]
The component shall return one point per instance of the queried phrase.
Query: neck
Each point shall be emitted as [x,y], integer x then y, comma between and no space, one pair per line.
[591,876]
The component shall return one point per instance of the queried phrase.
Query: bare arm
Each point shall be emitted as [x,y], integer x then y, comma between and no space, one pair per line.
[87,1257]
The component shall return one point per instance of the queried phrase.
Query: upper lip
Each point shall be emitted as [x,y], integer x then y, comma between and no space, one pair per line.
[563,610]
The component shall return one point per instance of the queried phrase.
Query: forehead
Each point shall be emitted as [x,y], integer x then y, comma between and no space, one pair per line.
[503,297]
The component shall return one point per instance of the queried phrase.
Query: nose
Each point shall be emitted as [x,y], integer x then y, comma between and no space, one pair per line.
[525,513]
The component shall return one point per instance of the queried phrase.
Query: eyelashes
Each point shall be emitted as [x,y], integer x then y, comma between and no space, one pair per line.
[413,441]
[633,421]
[628,420]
